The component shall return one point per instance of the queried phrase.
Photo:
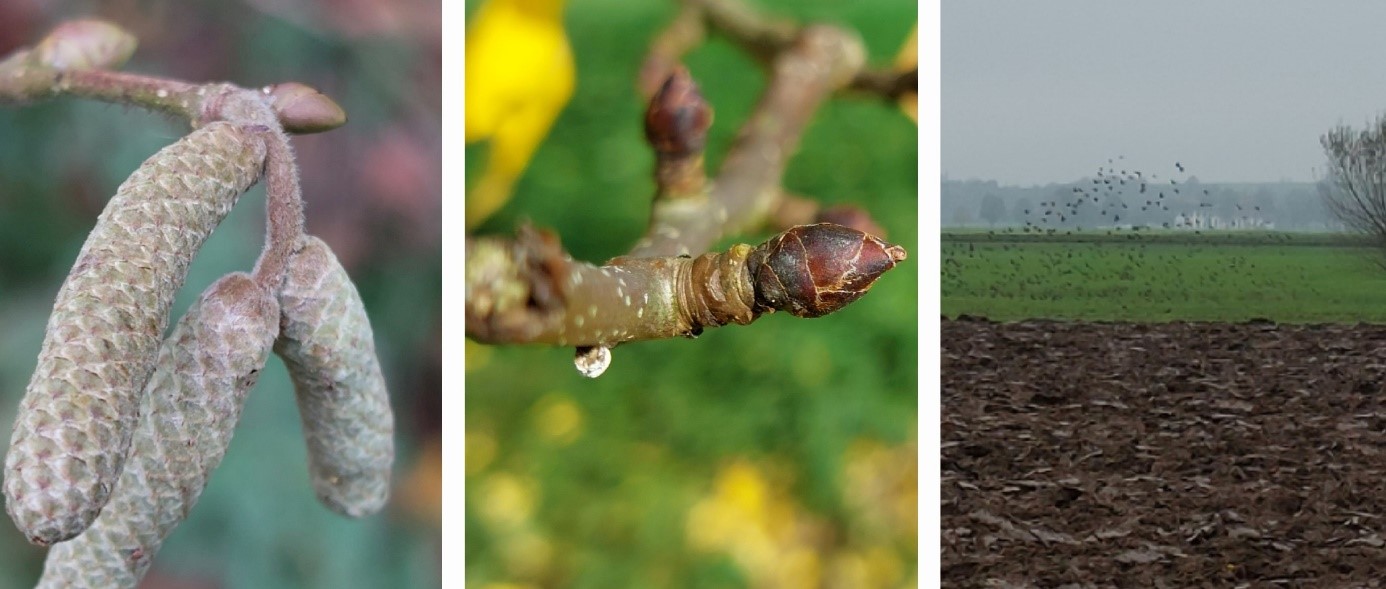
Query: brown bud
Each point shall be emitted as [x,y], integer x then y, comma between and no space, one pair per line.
[302,109]
[85,44]
[678,118]
[813,270]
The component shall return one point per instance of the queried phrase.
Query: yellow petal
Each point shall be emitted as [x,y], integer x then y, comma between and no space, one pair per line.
[908,59]
[520,74]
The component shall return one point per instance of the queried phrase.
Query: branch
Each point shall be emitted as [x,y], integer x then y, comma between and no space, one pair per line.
[668,48]
[528,290]
[821,59]
[70,61]
[888,83]
[761,36]
[807,65]
[283,210]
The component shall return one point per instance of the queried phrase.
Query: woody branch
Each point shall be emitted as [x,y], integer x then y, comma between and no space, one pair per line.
[528,290]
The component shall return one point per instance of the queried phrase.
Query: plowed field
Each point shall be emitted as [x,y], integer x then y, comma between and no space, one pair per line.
[1163,455]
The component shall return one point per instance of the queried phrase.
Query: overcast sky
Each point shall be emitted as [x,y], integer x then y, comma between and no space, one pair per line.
[1046,91]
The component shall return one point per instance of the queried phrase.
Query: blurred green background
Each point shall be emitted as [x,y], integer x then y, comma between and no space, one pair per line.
[777,454]
[371,190]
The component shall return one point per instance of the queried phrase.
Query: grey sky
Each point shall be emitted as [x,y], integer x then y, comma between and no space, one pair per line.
[1045,91]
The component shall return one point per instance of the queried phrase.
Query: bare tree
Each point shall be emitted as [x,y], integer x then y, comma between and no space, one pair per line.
[526,289]
[1354,189]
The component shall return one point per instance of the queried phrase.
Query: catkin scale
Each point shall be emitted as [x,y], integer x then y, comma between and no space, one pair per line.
[74,425]
[191,405]
[327,345]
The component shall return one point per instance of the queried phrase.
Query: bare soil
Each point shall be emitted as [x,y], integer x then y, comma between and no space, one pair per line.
[1163,455]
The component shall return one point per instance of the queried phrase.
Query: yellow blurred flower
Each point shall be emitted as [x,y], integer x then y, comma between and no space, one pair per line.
[526,554]
[421,490]
[480,450]
[800,567]
[880,484]
[759,526]
[519,76]
[906,60]
[475,356]
[506,501]
[711,525]
[742,486]
[558,419]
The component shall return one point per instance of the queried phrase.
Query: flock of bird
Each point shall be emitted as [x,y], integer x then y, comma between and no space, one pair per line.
[1150,266]
[1117,193]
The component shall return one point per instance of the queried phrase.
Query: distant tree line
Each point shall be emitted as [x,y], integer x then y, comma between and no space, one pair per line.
[1283,206]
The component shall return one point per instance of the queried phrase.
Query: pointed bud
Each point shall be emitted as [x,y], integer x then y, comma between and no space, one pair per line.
[85,45]
[678,118]
[302,109]
[813,270]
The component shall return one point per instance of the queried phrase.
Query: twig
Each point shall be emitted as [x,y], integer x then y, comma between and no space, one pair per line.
[760,35]
[71,62]
[676,125]
[887,83]
[283,210]
[528,290]
[822,59]
[684,33]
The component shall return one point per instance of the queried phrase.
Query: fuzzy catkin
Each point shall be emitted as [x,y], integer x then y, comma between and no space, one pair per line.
[74,426]
[191,405]
[327,345]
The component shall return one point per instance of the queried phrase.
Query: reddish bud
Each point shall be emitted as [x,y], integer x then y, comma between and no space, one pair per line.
[678,118]
[813,270]
[302,109]
[84,45]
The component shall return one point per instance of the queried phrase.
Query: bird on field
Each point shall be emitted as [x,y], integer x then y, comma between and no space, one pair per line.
[520,75]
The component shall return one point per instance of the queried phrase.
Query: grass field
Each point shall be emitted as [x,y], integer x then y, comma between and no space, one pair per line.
[1227,276]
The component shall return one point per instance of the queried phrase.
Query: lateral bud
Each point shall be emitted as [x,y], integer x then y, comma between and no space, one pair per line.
[84,45]
[301,109]
[678,118]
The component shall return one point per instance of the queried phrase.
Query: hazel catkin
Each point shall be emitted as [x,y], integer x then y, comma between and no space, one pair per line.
[191,405]
[74,425]
[327,345]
